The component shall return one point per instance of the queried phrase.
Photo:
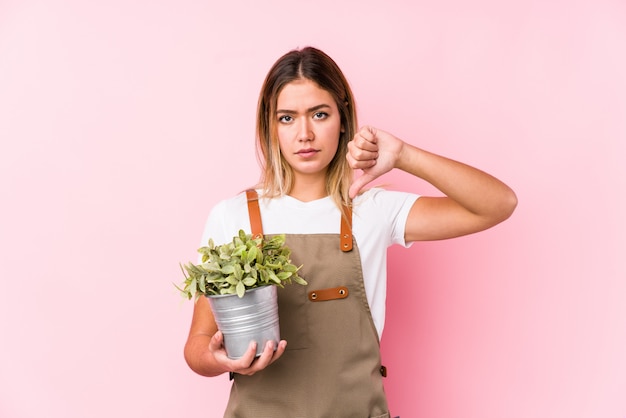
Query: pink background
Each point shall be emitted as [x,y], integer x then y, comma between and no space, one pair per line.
[122,123]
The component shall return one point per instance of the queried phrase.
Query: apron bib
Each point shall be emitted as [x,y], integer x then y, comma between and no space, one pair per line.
[331,367]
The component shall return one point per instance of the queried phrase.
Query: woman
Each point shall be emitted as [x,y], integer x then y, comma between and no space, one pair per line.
[309,146]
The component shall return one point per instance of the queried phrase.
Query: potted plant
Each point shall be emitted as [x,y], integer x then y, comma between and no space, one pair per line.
[239,278]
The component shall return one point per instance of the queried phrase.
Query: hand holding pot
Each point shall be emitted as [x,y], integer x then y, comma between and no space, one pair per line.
[205,353]
[247,364]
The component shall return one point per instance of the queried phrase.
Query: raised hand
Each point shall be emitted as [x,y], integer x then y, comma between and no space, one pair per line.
[374,152]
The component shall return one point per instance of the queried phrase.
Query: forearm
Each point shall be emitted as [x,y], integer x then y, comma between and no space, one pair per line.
[476,191]
[198,354]
[199,358]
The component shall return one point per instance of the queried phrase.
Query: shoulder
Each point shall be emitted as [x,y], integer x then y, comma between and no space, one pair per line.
[230,203]
[380,215]
[377,199]
[226,218]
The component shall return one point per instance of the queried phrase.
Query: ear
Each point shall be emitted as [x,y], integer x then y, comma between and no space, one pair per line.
[342,130]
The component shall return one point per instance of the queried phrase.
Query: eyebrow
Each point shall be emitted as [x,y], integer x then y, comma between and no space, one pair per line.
[309,110]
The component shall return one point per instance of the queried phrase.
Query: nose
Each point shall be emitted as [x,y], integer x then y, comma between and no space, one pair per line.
[305,131]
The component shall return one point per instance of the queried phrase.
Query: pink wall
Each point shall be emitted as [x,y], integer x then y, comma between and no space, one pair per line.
[120,123]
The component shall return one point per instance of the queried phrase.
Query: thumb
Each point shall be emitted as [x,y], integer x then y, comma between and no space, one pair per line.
[359,183]
[215,343]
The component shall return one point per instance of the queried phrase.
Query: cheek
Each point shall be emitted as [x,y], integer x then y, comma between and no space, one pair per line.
[336,147]
[333,134]
[282,138]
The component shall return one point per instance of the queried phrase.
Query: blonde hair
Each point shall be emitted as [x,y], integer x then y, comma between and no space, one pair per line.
[311,64]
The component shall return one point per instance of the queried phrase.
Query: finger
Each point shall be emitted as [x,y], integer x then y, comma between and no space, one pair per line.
[360,164]
[364,144]
[359,158]
[216,342]
[266,357]
[282,346]
[261,362]
[369,134]
[358,184]
[363,140]
[248,357]
[240,365]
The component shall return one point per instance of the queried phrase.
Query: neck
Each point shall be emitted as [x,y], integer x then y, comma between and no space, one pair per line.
[309,189]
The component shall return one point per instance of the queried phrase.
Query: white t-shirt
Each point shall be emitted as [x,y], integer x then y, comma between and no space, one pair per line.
[378,221]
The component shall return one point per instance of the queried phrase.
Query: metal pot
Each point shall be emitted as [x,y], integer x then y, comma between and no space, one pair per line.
[254,317]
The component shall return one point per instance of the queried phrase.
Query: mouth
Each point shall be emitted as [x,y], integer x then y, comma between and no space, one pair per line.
[308,152]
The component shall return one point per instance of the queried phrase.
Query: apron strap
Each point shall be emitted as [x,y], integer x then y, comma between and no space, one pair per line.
[254,212]
[346,229]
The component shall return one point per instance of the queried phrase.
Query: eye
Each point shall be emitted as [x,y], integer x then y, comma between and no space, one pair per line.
[320,115]
[285,119]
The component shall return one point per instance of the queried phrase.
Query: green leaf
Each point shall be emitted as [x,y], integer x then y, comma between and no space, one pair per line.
[227,290]
[241,289]
[212,267]
[290,268]
[273,277]
[249,281]
[239,250]
[276,242]
[228,269]
[225,251]
[238,271]
[192,288]
[264,276]
[182,291]
[252,254]
[299,280]
[274,266]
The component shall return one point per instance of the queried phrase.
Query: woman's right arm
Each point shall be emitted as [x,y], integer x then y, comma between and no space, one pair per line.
[205,353]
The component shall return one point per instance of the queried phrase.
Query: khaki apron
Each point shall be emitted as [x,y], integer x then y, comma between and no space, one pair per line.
[331,368]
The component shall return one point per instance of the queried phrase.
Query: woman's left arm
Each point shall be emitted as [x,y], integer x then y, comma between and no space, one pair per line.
[473,201]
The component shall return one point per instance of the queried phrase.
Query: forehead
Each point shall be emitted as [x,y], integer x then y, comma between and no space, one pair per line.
[303,93]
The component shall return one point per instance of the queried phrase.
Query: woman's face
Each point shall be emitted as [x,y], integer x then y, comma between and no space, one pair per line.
[308,124]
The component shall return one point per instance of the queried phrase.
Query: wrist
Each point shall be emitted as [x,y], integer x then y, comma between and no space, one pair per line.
[408,158]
